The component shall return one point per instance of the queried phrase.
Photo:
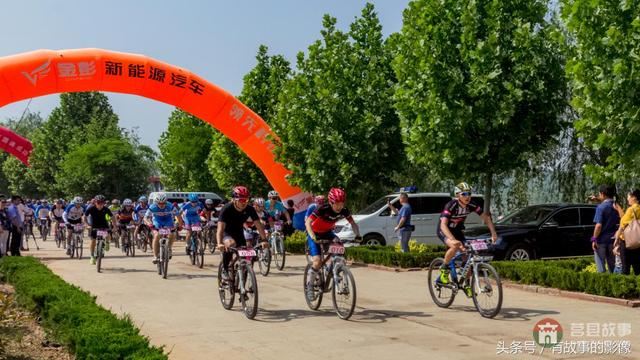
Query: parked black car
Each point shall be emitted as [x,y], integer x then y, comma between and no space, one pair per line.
[540,231]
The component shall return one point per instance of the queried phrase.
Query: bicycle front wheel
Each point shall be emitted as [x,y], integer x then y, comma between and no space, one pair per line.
[78,247]
[249,298]
[487,291]
[264,257]
[226,290]
[99,255]
[344,292]
[313,288]
[165,260]
[201,249]
[278,252]
[441,294]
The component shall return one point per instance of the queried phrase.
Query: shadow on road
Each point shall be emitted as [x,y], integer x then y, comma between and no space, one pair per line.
[511,314]
[359,316]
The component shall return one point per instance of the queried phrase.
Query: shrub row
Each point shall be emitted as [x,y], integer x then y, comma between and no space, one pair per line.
[72,315]
[568,275]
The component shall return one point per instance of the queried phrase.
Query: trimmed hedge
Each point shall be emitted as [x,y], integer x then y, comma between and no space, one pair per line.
[72,315]
[568,275]
[387,256]
[295,242]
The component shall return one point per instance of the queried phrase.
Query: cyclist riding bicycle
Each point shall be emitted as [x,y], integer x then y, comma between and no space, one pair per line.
[266,218]
[209,211]
[160,215]
[275,208]
[317,202]
[189,215]
[124,216]
[99,214]
[42,213]
[452,218]
[115,206]
[138,215]
[72,216]
[55,215]
[320,225]
[231,226]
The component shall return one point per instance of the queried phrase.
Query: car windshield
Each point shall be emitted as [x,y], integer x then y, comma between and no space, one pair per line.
[375,206]
[531,215]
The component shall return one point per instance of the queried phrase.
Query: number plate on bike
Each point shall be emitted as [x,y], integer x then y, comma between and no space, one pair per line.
[336,249]
[61,226]
[247,253]
[196,228]
[102,233]
[277,226]
[478,245]
[213,223]
[164,231]
[78,227]
[130,226]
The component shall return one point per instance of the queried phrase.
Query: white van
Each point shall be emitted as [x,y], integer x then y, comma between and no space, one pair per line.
[376,222]
[183,196]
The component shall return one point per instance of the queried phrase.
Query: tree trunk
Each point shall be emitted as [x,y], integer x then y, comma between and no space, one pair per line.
[487,194]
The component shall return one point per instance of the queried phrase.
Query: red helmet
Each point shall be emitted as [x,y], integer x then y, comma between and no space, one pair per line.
[337,195]
[319,200]
[240,192]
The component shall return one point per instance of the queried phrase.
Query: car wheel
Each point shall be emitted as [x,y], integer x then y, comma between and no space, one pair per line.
[519,252]
[374,239]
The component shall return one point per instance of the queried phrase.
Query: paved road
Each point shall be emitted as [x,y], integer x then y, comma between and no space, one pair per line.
[394,318]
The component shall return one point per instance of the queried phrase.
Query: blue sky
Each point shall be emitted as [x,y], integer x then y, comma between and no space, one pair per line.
[216,40]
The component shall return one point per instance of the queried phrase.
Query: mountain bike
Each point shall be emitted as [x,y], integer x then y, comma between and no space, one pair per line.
[144,237]
[75,244]
[61,237]
[276,239]
[210,230]
[196,246]
[165,251]
[478,279]
[44,228]
[101,236]
[263,255]
[242,281]
[335,277]
[126,235]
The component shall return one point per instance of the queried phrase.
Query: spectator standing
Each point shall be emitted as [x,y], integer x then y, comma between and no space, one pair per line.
[630,257]
[5,226]
[288,228]
[606,220]
[403,228]
[16,225]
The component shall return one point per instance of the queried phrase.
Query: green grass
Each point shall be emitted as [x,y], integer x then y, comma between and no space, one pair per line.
[72,315]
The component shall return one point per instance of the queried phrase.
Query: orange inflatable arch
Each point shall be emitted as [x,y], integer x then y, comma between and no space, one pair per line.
[45,72]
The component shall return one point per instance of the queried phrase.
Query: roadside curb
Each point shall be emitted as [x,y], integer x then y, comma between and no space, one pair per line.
[572,294]
[530,288]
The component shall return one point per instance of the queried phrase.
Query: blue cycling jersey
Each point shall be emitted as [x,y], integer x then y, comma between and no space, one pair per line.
[278,208]
[161,217]
[191,213]
[139,212]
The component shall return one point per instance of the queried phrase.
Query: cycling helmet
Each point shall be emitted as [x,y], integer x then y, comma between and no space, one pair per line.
[45,201]
[193,197]
[462,187]
[319,200]
[142,198]
[273,193]
[258,201]
[59,201]
[161,197]
[127,202]
[208,202]
[99,198]
[240,192]
[337,195]
[115,202]
[77,200]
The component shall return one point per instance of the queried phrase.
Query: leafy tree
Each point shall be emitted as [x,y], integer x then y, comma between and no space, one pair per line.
[184,148]
[336,121]
[606,85]
[80,117]
[262,85]
[112,167]
[480,85]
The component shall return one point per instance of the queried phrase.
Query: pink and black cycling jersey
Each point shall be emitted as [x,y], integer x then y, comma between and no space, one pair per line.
[324,219]
[456,214]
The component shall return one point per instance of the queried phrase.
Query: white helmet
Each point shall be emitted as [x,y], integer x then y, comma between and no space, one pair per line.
[273,193]
[77,200]
[208,202]
[258,201]
[160,197]
[127,202]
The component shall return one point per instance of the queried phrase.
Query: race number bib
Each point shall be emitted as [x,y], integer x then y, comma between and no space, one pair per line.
[247,253]
[478,245]
[336,249]
[196,228]
[78,227]
[102,233]
[164,231]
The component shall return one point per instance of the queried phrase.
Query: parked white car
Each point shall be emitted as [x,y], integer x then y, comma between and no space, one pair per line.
[376,222]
